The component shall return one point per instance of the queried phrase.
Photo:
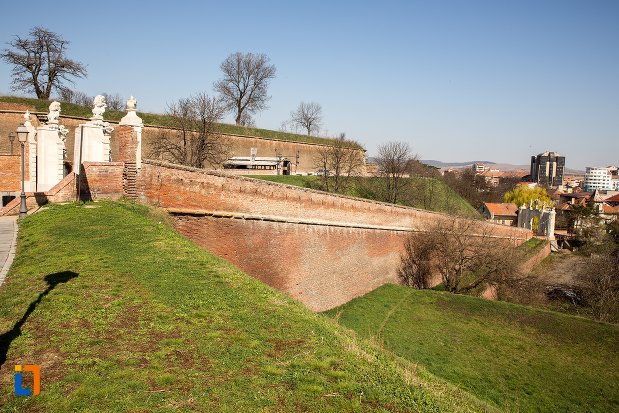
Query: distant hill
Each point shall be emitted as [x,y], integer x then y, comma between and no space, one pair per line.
[506,167]
[440,164]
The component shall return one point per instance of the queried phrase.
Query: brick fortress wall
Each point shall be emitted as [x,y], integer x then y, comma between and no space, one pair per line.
[321,248]
[11,115]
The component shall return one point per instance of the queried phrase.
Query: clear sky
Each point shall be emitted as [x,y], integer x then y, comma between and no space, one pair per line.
[459,80]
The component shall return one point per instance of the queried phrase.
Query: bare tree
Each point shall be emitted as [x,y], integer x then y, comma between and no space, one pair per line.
[114,102]
[601,282]
[193,141]
[40,63]
[395,161]
[75,96]
[463,252]
[246,80]
[338,162]
[247,120]
[307,116]
[415,268]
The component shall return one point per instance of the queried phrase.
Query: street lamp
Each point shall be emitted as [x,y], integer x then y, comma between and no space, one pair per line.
[12,139]
[22,137]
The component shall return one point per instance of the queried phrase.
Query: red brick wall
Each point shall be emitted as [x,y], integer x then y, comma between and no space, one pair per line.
[125,143]
[10,173]
[99,180]
[320,248]
[178,187]
[102,180]
[528,265]
[321,266]
[240,144]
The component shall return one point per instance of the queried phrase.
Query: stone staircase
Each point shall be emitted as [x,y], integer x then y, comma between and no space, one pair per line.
[130,176]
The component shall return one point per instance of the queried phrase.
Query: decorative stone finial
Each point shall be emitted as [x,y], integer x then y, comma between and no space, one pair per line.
[27,121]
[99,108]
[54,113]
[131,118]
[132,104]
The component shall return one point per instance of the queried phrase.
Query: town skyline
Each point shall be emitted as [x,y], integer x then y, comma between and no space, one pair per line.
[456,81]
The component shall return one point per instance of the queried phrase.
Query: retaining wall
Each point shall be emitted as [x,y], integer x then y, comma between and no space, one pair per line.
[321,248]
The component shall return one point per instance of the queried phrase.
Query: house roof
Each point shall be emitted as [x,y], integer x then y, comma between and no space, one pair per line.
[614,198]
[503,209]
[607,209]
[578,195]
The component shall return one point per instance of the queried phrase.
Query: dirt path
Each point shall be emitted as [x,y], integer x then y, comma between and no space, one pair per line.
[561,268]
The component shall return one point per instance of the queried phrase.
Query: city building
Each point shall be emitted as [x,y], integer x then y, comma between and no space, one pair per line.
[598,179]
[500,213]
[547,169]
[479,168]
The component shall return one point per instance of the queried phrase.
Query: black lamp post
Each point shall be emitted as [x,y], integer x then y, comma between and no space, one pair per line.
[12,139]
[22,137]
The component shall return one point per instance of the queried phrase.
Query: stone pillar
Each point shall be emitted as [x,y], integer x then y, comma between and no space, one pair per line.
[521,216]
[92,139]
[50,150]
[130,146]
[30,178]
[552,215]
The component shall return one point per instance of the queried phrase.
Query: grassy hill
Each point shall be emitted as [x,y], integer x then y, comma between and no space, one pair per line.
[515,357]
[432,194]
[125,315]
[155,119]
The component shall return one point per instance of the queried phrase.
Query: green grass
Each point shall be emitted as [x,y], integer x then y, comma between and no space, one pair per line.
[151,322]
[432,194]
[515,357]
[532,246]
[155,119]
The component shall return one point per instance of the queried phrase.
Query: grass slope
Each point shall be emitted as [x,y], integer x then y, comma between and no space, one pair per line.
[125,315]
[424,193]
[155,119]
[516,357]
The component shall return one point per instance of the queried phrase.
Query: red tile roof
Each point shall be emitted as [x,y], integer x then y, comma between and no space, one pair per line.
[614,198]
[503,209]
[610,209]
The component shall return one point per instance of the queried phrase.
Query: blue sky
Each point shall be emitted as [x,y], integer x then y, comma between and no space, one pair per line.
[458,80]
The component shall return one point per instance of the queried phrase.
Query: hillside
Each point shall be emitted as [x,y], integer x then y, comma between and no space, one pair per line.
[123,314]
[432,194]
[155,119]
[515,357]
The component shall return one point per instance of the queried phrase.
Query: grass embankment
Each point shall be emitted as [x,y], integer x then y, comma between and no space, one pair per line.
[515,357]
[155,119]
[432,194]
[123,314]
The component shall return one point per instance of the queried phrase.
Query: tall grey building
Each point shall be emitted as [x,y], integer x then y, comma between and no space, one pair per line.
[547,168]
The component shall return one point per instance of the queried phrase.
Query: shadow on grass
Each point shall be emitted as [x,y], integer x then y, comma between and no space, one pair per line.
[52,281]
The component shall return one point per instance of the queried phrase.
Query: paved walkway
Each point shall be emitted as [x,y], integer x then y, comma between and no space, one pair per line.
[8,236]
